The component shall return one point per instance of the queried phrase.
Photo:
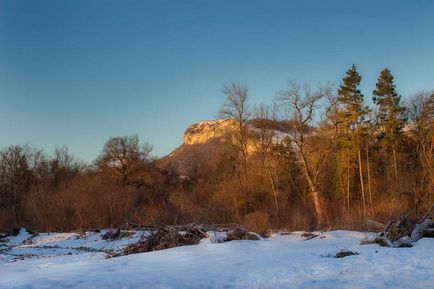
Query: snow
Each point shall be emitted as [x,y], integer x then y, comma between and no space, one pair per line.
[209,123]
[282,261]
[214,237]
[278,136]
[26,245]
[21,238]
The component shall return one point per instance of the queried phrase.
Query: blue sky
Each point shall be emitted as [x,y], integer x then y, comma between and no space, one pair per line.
[78,72]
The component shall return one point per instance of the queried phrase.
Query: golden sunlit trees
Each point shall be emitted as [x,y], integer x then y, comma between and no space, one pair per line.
[352,115]
[283,168]
[390,113]
[305,106]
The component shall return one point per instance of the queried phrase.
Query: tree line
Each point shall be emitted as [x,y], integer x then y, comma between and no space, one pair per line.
[338,162]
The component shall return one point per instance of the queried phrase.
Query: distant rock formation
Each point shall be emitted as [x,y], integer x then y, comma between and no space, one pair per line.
[203,131]
[205,141]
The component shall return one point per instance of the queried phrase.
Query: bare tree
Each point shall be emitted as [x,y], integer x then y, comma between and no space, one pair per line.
[236,107]
[64,165]
[304,106]
[421,112]
[18,165]
[122,155]
[264,140]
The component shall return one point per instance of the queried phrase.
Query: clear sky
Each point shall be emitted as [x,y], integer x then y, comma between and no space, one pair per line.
[77,72]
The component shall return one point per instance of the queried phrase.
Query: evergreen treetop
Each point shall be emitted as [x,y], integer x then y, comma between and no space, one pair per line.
[390,114]
[352,110]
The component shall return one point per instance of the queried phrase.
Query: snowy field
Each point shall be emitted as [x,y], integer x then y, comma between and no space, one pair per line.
[70,260]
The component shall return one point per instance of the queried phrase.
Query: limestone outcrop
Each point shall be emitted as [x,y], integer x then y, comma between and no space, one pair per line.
[204,131]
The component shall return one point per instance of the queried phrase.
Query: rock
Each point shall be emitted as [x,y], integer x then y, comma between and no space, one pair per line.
[203,131]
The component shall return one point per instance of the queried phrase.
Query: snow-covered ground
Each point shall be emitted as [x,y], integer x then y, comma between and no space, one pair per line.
[282,261]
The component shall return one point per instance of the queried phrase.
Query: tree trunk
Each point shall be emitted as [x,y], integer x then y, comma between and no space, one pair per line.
[314,193]
[318,208]
[348,184]
[242,195]
[429,170]
[361,180]
[344,193]
[273,186]
[395,165]
[112,210]
[369,181]
[14,216]
[14,207]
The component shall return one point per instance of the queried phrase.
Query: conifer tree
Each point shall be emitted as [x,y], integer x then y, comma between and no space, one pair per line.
[390,115]
[352,115]
[352,108]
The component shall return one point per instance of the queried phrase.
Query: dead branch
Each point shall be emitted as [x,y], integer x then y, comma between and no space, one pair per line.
[169,236]
[404,231]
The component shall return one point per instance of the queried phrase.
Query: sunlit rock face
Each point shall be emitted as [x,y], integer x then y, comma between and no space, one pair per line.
[204,142]
[204,131]
[226,130]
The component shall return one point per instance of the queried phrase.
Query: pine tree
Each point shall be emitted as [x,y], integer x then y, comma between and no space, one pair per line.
[390,116]
[352,115]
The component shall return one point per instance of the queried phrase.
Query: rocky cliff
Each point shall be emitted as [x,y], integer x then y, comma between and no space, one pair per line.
[204,131]
[205,141]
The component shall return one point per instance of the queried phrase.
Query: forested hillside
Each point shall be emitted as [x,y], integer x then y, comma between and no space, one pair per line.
[316,157]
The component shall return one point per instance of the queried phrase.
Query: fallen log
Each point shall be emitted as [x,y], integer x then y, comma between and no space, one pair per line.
[416,234]
[428,233]
[387,228]
[403,232]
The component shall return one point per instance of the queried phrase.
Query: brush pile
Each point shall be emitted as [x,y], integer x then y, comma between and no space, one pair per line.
[168,236]
[404,232]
